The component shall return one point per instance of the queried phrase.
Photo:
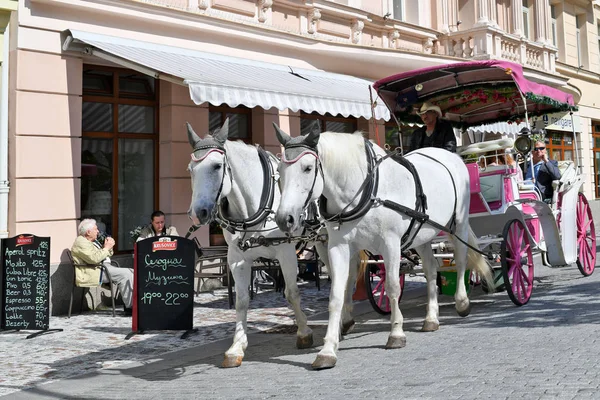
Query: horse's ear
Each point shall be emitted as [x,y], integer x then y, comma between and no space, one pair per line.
[193,138]
[281,135]
[222,134]
[314,126]
[312,139]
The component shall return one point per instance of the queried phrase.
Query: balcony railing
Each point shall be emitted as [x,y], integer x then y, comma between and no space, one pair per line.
[490,42]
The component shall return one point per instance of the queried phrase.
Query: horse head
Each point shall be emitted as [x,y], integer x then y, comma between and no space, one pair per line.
[208,169]
[301,178]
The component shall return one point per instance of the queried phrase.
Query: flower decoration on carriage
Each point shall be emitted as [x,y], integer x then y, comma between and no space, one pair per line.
[135,233]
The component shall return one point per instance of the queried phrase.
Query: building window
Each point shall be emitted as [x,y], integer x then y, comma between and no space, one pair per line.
[118,150]
[554,25]
[596,149]
[328,123]
[525,11]
[398,10]
[559,146]
[240,121]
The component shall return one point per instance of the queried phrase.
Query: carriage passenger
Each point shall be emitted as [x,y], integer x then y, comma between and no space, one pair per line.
[492,158]
[544,170]
[436,132]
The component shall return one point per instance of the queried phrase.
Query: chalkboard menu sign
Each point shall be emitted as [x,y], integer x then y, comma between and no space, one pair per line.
[164,284]
[25,282]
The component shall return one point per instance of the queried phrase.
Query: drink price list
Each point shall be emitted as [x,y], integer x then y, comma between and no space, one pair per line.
[25,282]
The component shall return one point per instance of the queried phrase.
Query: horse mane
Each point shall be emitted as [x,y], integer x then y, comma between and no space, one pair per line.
[238,145]
[339,152]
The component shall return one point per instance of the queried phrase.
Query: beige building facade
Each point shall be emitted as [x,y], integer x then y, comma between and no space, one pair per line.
[100,90]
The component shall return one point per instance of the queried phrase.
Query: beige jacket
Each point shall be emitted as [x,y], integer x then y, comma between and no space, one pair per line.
[85,252]
[148,232]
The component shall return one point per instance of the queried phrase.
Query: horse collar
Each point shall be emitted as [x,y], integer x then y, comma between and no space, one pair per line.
[368,189]
[266,200]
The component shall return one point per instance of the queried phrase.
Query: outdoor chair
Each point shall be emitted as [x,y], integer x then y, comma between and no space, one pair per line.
[109,286]
[211,263]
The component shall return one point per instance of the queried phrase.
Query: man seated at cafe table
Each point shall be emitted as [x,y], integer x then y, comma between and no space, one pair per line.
[157,227]
[87,250]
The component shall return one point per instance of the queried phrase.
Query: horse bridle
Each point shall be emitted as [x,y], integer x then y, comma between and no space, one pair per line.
[368,188]
[308,150]
[226,169]
[267,196]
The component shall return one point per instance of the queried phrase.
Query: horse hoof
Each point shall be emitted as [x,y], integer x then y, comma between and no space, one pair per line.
[232,361]
[430,326]
[304,342]
[396,342]
[324,362]
[464,312]
[348,327]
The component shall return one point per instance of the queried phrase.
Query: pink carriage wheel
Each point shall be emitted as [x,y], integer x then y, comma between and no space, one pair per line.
[517,262]
[375,281]
[586,237]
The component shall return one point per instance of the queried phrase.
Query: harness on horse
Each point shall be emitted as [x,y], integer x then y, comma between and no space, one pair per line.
[368,191]
[266,200]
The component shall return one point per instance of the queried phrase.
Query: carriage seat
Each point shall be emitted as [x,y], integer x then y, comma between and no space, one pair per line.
[568,175]
[484,147]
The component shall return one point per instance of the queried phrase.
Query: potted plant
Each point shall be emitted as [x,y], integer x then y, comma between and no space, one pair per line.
[215,235]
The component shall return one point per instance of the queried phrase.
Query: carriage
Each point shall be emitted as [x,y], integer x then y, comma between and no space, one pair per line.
[236,184]
[508,215]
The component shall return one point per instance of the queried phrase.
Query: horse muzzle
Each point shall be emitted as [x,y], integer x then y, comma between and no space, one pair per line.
[203,215]
[286,222]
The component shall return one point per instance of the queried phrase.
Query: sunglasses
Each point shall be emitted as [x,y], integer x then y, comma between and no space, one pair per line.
[539,148]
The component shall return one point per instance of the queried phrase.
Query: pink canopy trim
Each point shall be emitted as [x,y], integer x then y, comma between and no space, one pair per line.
[471,93]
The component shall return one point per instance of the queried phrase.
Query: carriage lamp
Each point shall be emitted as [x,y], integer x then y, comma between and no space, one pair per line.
[523,144]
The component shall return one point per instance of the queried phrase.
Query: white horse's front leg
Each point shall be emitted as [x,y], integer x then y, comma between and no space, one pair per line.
[347,319]
[430,265]
[241,274]
[339,258]
[289,268]
[391,257]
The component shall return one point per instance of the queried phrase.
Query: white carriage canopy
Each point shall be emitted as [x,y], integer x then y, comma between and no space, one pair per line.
[234,81]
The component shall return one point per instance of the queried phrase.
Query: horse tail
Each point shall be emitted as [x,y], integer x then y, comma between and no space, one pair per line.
[477,262]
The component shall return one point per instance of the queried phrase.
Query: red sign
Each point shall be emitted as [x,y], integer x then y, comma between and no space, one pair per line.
[24,240]
[164,245]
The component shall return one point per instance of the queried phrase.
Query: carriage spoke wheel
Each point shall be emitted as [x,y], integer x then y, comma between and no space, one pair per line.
[517,262]
[375,281]
[586,237]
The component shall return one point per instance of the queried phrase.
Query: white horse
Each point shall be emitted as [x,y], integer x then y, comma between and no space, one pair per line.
[335,165]
[230,176]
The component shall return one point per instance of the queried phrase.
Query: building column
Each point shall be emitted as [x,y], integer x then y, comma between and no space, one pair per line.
[176,108]
[517,17]
[482,13]
[493,12]
[443,16]
[542,16]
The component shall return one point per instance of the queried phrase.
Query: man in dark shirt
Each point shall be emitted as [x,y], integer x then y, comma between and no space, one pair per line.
[436,132]
[544,170]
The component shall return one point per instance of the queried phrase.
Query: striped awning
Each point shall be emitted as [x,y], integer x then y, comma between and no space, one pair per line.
[219,79]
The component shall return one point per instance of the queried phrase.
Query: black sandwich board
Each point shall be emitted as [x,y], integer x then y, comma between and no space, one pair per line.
[163,294]
[25,268]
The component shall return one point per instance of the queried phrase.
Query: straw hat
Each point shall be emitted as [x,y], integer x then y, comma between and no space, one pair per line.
[429,107]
